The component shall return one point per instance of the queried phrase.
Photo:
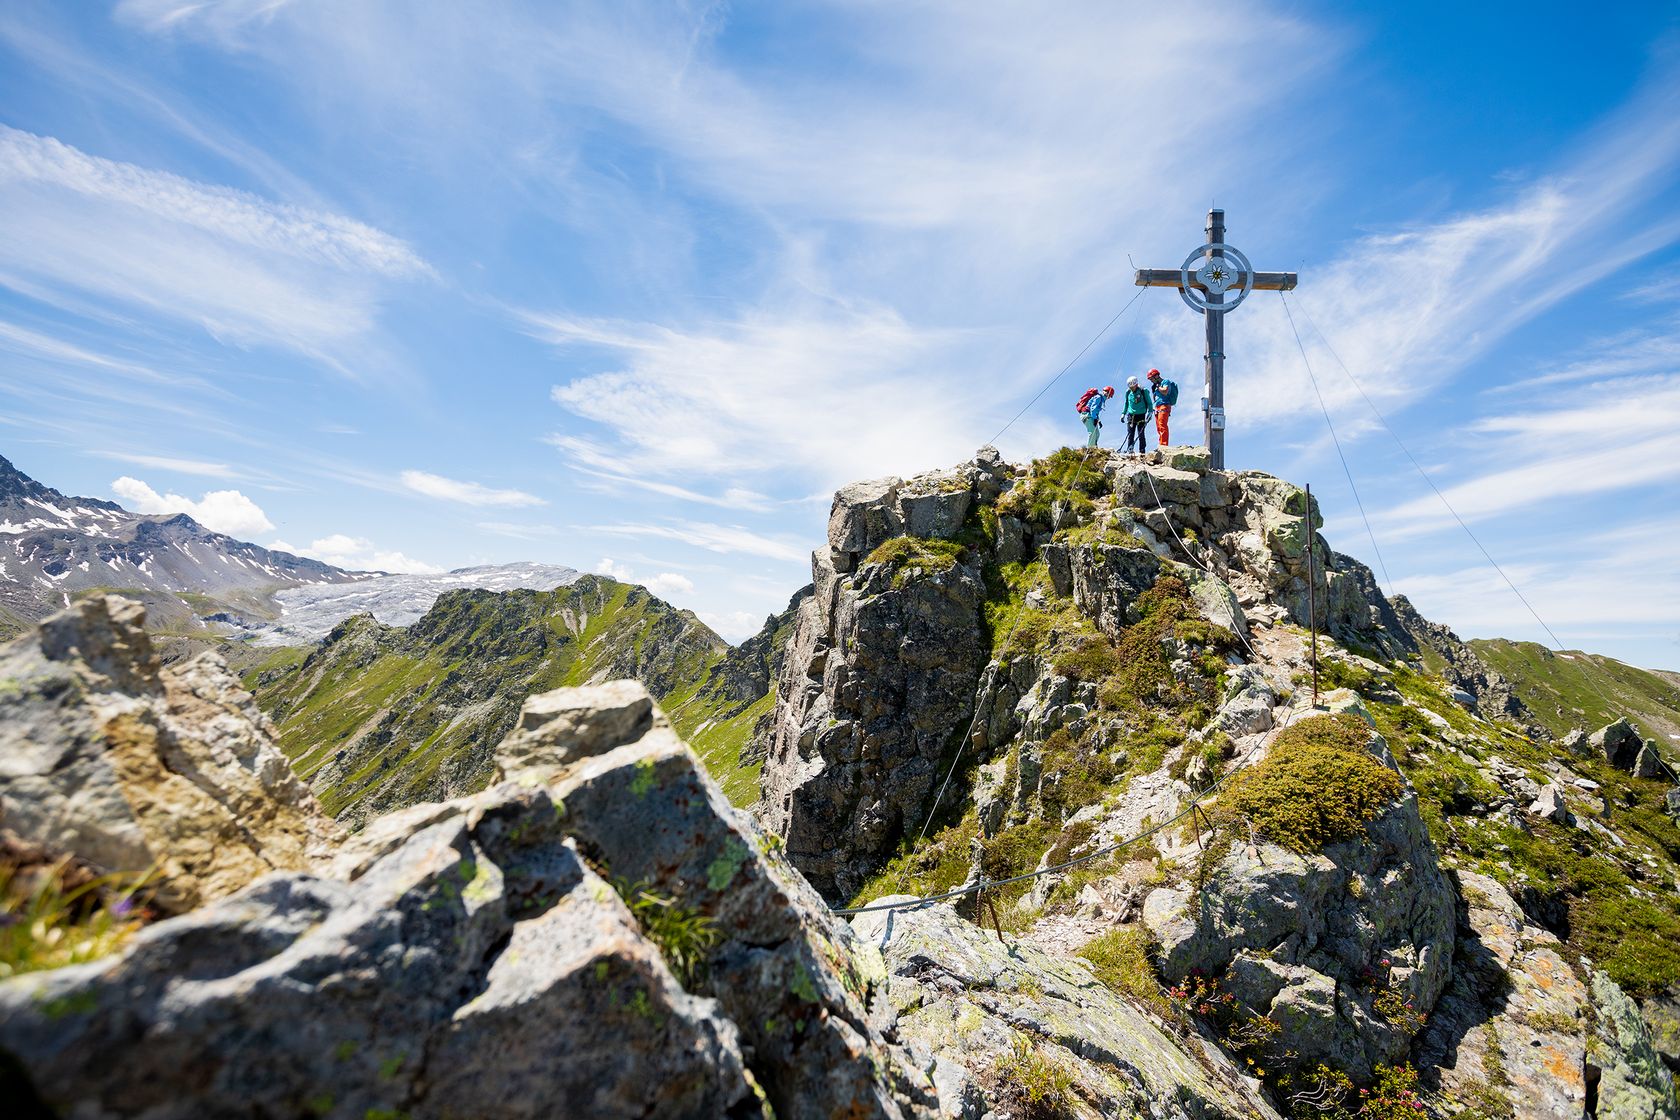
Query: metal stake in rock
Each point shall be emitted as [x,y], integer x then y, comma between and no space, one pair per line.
[1203,281]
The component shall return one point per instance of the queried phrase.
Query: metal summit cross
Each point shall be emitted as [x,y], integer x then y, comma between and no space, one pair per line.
[1204,280]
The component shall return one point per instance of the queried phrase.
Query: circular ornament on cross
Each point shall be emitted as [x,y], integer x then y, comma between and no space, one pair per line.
[1222,269]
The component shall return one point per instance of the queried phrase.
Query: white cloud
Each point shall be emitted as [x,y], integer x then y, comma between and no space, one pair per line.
[168,463]
[715,538]
[225,511]
[467,493]
[245,268]
[667,584]
[1544,456]
[358,554]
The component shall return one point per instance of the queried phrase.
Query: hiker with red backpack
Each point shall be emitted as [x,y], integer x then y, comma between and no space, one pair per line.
[1164,394]
[1090,406]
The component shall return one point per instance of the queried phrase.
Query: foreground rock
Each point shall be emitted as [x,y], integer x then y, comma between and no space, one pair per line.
[976,1003]
[135,768]
[478,958]
[1348,948]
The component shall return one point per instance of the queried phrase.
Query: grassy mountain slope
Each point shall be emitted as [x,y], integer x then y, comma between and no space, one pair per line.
[377,717]
[1585,690]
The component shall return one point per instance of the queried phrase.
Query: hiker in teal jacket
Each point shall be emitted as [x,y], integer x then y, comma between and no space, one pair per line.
[1135,409]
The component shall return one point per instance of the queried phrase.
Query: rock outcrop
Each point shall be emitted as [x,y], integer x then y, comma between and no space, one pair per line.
[1348,948]
[141,769]
[974,1002]
[597,934]
[894,666]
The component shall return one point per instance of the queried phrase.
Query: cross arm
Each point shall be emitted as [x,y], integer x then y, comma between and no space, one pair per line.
[1173,278]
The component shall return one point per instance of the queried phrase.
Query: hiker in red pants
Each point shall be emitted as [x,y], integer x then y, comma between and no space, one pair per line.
[1164,392]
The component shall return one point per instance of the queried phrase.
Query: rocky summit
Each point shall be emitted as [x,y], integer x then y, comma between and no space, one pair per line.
[1135,798]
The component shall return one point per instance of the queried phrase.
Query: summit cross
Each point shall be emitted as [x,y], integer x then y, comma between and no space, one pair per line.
[1203,282]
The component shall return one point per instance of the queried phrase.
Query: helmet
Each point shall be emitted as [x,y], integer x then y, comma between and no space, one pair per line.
[1132,382]
[1108,390]
[1154,374]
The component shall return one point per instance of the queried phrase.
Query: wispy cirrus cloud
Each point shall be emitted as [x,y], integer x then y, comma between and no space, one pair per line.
[466,493]
[357,554]
[247,269]
[713,538]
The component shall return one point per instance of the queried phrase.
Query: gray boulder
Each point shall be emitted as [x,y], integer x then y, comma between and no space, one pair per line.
[1508,1036]
[877,691]
[1619,743]
[1648,763]
[478,958]
[971,1001]
[1549,806]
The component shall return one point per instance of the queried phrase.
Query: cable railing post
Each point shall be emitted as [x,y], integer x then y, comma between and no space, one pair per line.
[1312,594]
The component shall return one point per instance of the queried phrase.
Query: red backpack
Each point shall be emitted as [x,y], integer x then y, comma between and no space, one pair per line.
[1084,404]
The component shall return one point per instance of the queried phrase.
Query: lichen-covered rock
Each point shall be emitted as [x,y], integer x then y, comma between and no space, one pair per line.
[477,958]
[137,768]
[969,1001]
[1312,939]
[1633,1083]
[1508,1035]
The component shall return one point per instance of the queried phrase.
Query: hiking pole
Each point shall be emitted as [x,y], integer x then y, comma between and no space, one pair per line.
[1312,597]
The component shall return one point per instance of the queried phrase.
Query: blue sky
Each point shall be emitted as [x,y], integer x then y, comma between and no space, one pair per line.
[635,287]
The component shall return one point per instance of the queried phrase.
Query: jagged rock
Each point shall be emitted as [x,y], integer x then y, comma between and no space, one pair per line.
[1619,743]
[474,964]
[1648,763]
[1633,1083]
[1549,806]
[136,768]
[934,505]
[1507,1037]
[1301,934]
[856,748]
[1576,742]
[864,514]
[1671,803]
[965,998]
[557,728]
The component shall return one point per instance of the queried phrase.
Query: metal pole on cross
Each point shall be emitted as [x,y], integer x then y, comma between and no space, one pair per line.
[1202,282]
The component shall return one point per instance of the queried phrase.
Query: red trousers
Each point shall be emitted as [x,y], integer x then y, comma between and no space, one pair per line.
[1162,411]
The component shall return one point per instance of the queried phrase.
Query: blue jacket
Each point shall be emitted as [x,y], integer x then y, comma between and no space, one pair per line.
[1095,407]
[1164,392]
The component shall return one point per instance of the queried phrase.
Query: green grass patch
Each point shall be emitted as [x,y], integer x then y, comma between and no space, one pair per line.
[1124,960]
[907,557]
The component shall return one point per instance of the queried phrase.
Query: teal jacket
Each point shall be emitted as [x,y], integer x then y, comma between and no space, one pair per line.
[1137,402]
[1164,393]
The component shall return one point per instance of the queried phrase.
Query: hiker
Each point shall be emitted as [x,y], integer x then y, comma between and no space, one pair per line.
[1136,411]
[1164,393]
[1090,406]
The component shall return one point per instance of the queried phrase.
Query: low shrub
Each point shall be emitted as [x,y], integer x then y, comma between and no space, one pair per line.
[1314,788]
